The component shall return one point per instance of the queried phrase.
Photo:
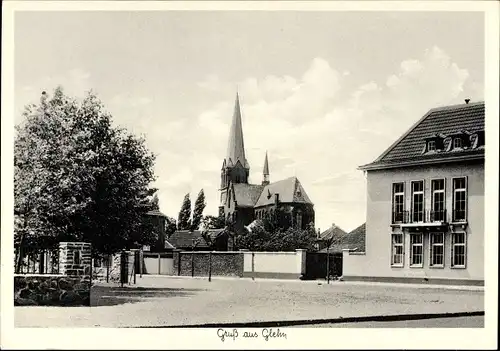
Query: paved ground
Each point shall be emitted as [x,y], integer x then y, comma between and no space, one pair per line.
[456,322]
[168,301]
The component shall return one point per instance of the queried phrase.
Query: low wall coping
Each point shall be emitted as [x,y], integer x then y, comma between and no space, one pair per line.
[213,252]
[40,275]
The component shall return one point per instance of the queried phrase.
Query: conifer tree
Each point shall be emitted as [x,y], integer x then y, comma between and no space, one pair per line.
[199,206]
[184,219]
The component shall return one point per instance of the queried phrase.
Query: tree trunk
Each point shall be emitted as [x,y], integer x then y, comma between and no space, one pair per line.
[20,255]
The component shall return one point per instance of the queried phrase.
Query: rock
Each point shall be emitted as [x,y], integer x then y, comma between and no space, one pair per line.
[65,284]
[24,302]
[70,298]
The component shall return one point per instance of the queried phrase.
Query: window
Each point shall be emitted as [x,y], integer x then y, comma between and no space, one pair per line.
[417,201]
[459,199]
[431,145]
[416,250]
[457,143]
[437,249]
[398,202]
[458,250]
[438,201]
[229,200]
[397,250]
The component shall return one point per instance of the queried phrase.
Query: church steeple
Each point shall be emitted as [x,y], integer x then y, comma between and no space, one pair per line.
[235,168]
[236,146]
[265,172]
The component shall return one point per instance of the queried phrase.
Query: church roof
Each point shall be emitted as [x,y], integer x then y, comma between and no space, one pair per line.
[266,166]
[289,190]
[236,146]
[246,195]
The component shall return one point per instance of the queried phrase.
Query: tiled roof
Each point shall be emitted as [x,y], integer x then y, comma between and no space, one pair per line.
[353,240]
[184,238]
[168,245]
[246,195]
[289,190]
[334,231]
[155,213]
[443,120]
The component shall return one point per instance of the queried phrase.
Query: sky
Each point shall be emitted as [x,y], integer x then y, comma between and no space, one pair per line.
[322,92]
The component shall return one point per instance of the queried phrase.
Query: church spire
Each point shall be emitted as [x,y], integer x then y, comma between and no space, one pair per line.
[235,146]
[265,172]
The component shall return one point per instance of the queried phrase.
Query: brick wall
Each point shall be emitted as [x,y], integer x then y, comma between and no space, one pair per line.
[74,258]
[223,263]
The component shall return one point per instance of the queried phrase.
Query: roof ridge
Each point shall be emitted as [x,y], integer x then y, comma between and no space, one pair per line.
[447,107]
[463,106]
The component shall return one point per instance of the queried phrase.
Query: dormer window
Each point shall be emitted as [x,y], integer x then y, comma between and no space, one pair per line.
[460,140]
[431,145]
[477,139]
[434,143]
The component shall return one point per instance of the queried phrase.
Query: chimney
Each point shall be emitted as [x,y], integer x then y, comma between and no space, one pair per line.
[467,101]
[276,198]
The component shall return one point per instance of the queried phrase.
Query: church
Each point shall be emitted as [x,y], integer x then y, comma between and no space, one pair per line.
[241,202]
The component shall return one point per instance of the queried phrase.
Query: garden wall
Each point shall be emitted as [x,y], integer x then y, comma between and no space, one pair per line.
[197,263]
[51,290]
[286,265]
[69,288]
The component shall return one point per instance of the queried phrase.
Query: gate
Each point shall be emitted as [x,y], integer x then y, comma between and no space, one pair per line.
[317,265]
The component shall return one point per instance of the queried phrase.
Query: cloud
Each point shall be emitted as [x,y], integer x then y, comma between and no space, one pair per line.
[323,138]
[312,125]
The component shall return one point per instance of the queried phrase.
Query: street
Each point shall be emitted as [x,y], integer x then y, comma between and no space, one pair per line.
[172,301]
[455,322]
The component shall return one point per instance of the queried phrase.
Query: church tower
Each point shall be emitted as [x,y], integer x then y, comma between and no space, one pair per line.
[265,172]
[235,168]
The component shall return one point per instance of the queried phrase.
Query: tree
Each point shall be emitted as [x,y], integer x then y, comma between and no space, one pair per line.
[184,219]
[155,202]
[170,226]
[199,206]
[262,237]
[213,222]
[76,177]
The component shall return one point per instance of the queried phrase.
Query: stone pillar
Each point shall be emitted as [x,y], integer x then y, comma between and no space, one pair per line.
[75,258]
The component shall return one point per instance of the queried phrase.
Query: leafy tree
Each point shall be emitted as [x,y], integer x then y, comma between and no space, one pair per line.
[199,206]
[184,219]
[155,202]
[213,222]
[76,177]
[170,226]
[262,237]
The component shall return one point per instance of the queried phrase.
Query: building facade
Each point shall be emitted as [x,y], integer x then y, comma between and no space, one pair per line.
[242,202]
[425,203]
